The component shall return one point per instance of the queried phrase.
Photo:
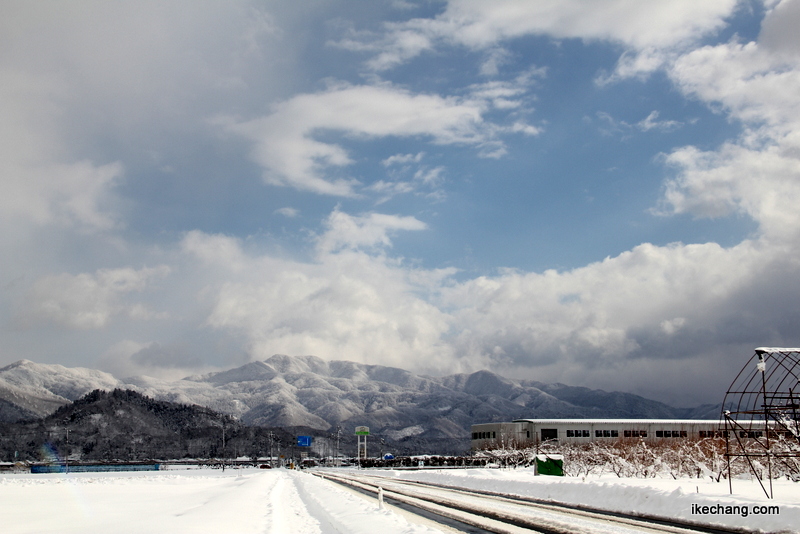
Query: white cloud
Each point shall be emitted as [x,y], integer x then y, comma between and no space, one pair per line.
[603,325]
[651,122]
[347,305]
[41,184]
[347,232]
[285,146]
[746,80]
[403,159]
[762,184]
[634,23]
[423,180]
[646,312]
[128,358]
[758,174]
[74,74]
[613,126]
[287,212]
[508,94]
[644,28]
[779,30]
[495,58]
[593,325]
[89,301]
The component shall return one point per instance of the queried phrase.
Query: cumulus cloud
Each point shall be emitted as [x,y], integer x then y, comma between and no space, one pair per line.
[348,304]
[652,309]
[587,314]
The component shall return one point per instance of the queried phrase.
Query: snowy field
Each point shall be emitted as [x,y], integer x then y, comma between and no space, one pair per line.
[281,501]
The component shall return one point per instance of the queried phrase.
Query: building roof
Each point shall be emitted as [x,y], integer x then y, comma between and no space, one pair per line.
[618,421]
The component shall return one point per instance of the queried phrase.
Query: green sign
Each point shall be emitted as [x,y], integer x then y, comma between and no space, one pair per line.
[362,431]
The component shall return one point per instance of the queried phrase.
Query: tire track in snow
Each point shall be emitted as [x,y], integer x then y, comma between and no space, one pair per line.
[287,511]
[340,512]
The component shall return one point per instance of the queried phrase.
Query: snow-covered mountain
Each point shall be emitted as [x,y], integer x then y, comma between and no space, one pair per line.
[308,391]
[41,389]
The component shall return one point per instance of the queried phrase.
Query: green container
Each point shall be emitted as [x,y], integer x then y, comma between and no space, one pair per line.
[549,465]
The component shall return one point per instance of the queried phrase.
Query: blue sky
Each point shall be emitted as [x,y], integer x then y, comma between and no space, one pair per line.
[597,193]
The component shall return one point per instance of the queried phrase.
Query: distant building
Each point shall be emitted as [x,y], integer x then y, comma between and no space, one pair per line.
[532,431]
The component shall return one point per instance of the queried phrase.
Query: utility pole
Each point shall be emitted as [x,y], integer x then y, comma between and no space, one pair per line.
[223,443]
[270,435]
[338,435]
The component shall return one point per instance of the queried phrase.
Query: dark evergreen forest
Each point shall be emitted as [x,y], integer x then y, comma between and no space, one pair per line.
[128,426]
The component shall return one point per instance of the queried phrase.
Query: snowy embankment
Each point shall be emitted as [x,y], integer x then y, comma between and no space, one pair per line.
[196,501]
[670,498]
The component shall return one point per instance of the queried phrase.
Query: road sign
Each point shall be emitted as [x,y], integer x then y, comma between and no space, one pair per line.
[303,441]
[362,431]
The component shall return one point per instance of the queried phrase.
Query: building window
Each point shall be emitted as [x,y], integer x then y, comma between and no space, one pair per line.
[549,433]
[615,433]
[570,433]
[659,433]
[635,434]
[598,433]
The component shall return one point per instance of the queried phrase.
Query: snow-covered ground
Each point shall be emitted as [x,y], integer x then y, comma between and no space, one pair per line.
[192,501]
[281,501]
[663,497]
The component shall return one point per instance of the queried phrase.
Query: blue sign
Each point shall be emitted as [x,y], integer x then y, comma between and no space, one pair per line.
[303,441]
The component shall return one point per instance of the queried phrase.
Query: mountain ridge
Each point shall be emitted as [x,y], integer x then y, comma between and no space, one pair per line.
[294,391]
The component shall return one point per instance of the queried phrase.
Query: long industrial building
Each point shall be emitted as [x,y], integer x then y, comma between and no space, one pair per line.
[530,431]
